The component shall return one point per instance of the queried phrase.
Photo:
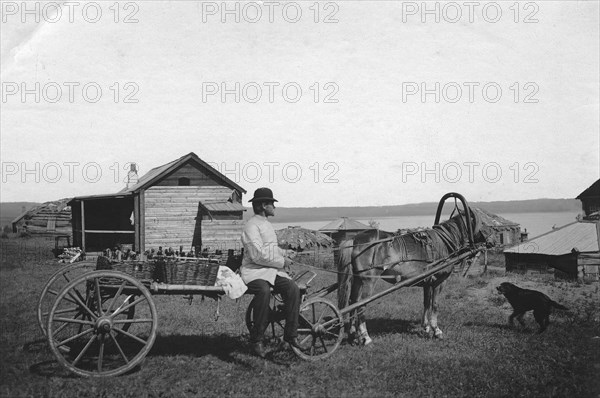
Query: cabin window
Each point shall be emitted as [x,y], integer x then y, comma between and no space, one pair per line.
[183,182]
[51,225]
[501,238]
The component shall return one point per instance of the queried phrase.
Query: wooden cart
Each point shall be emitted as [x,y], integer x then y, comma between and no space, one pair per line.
[101,322]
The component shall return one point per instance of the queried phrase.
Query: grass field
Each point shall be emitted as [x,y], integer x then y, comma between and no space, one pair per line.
[195,355]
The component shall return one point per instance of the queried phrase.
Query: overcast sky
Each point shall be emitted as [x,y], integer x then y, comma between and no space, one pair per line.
[343,103]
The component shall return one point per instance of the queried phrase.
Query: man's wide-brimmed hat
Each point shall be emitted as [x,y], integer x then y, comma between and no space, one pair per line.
[263,195]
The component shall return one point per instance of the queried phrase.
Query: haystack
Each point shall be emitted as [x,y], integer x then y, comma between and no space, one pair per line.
[315,248]
[298,238]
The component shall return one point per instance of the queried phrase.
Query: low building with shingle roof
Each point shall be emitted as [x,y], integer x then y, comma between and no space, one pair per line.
[570,251]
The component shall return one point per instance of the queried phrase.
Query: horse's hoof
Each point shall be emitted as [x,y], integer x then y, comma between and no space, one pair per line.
[439,336]
[367,341]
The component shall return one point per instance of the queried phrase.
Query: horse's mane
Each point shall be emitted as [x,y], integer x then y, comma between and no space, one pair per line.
[454,231]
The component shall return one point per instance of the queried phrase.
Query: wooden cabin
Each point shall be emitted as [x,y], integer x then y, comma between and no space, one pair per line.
[590,199]
[48,219]
[184,204]
[506,232]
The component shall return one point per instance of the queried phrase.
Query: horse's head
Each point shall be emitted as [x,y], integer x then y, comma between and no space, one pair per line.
[481,233]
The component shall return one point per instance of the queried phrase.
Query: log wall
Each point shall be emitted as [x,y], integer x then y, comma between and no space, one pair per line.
[172,218]
[48,222]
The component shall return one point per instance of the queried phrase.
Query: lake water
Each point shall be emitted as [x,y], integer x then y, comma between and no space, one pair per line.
[535,223]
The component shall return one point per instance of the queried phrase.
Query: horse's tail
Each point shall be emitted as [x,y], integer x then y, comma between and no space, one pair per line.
[345,276]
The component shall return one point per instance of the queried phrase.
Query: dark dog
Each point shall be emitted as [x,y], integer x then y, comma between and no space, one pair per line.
[523,300]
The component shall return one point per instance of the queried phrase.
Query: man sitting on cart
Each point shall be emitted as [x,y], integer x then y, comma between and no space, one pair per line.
[263,268]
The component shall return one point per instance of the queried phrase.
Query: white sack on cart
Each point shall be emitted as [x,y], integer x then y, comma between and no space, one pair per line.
[232,284]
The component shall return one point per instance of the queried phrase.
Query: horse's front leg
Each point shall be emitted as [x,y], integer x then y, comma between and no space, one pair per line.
[363,333]
[427,304]
[435,292]
[355,315]
[364,291]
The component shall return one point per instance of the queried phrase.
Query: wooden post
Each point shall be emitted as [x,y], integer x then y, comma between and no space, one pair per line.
[142,222]
[136,222]
[83,227]
[485,262]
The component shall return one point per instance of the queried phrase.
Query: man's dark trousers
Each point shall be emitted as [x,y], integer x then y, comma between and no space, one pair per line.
[261,290]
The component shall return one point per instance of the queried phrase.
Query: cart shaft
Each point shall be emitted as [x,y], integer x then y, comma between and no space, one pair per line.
[437,267]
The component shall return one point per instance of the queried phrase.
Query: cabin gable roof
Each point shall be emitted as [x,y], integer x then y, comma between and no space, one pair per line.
[159,173]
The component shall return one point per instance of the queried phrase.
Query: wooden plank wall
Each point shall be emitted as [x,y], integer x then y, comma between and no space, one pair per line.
[222,234]
[170,217]
[589,263]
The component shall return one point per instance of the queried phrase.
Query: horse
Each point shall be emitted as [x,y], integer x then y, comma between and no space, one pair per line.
[375,254]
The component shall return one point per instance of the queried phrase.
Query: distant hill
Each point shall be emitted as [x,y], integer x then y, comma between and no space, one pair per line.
[10,210]
[295,214]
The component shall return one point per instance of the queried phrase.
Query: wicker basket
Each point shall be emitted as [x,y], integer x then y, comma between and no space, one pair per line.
[166,270]
[186,273]
[143,271]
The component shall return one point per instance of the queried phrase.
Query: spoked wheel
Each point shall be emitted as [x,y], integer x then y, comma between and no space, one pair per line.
[276,322]
[320,329]
[92,330]
[55,284]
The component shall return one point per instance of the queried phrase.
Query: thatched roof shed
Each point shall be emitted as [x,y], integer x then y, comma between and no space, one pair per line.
[298,238]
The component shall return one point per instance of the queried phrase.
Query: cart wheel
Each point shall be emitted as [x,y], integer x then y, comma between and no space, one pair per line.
[276,322]
[91,329]
[55,284]
[320,329]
